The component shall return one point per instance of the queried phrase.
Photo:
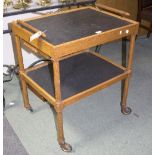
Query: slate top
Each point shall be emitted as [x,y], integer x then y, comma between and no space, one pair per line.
[75,25]
[77,74]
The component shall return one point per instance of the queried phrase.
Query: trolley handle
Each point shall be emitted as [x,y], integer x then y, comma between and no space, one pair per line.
[112,10]
[30,27]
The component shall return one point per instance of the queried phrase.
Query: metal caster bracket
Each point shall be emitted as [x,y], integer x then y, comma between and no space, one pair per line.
[66,147]
[127,111]
[30,109]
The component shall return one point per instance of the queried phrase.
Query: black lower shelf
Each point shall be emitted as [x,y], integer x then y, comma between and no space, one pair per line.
[77,73]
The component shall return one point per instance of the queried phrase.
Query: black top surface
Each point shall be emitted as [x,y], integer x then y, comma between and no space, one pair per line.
[77,73]
[75,25]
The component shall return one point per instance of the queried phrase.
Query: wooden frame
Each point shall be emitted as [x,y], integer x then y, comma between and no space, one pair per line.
[68,49]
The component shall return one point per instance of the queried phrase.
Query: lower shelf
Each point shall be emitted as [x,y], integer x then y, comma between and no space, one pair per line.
[77,74]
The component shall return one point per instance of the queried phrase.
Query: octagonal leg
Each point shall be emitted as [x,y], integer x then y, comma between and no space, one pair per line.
[59,116]
[21,69]
[61,140]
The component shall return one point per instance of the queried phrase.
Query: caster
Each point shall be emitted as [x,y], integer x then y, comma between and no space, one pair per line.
[127,111]
[66,147]
[30,109]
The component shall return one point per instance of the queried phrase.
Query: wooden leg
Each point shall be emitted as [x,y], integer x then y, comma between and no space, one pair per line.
[21,69]
[58,108]
[59,119]
[126,110]
[25,95]
[56,72]
[60,132]
[124,53]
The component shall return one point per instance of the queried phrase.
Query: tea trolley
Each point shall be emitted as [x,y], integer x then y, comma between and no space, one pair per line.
[71,70]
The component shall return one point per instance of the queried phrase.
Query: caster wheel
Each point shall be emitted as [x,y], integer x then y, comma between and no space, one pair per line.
[127,111]
[30,109]
[66,147]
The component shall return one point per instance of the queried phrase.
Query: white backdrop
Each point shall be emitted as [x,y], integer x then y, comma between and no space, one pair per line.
[8,54]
